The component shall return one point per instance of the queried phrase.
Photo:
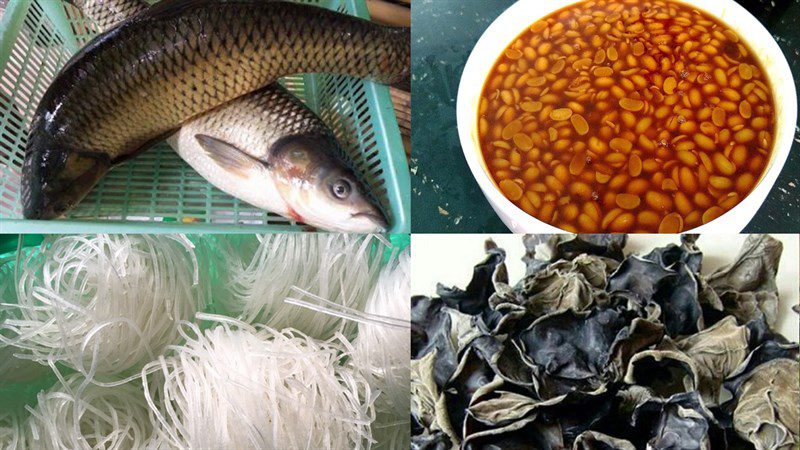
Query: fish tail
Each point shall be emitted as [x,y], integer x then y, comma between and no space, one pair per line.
[55,178]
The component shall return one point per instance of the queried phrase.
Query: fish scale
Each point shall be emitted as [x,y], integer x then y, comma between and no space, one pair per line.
[182,58]
[106,13]
[267,116]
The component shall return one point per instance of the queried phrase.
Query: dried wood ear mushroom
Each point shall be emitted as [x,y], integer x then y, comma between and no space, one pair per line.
[595,348]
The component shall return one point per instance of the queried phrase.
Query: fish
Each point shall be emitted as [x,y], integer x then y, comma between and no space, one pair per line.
[270,150]
[138,83]
[273,152]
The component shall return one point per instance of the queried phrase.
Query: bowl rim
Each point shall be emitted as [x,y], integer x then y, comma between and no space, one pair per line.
[523,13]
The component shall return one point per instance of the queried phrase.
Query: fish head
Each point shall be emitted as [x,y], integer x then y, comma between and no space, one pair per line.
[320,189]
[55,177]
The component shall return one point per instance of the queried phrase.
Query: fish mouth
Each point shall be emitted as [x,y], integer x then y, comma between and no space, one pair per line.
[377,218]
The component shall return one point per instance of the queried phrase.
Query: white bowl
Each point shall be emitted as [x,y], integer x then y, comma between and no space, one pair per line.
[522,14]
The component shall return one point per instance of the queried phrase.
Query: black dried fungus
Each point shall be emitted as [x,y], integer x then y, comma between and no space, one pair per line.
[679,422]
[596,349]
[570,351]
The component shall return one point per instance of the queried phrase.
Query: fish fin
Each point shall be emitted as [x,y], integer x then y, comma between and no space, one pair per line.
[228,156]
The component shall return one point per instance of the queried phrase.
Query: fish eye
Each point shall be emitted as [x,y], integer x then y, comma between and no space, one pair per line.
[341,188]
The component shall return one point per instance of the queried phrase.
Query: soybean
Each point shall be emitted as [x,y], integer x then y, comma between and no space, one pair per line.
[591,122]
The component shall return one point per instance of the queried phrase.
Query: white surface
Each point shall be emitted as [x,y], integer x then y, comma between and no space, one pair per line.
[525,12]
[449,258]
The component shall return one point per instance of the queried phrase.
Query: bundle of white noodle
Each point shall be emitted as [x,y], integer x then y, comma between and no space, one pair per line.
[12,436]
[102,305]
[71,417]
[383,346]
[341,268]
[251,387]
[383,349]
[12,368]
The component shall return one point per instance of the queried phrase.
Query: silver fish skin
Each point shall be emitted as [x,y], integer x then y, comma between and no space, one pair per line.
[141,81]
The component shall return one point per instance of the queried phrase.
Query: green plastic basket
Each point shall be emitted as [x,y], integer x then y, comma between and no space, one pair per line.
[157,191]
